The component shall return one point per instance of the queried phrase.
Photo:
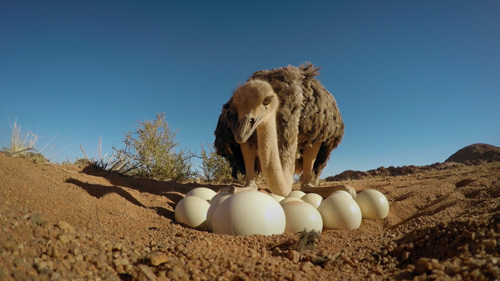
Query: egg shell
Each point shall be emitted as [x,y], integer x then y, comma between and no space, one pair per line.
[342,193]
[248,213]
[289,199]
[296,193]
[340,212]
[192,211]
[202,192]
[312,198]
[277,197]
[214,204]
[220,194]
[373,204]
[302,216]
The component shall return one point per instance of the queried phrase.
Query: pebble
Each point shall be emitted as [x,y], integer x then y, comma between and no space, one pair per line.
[293,255]
[158,258]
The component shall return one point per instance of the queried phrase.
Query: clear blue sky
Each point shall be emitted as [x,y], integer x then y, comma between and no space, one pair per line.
[415,80]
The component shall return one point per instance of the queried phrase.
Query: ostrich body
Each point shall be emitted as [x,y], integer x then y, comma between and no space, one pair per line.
[280,122]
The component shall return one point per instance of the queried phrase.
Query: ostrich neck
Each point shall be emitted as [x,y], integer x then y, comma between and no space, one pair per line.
[269,156]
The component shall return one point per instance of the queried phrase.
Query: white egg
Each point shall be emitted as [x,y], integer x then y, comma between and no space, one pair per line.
[340,211]
[220,194]
[214,204]
[312,198]
[373,204]
[296,193]
[277,197]
[301,216]
[342,193]
[289,199]
[248,213]
[192,211]
[202,192]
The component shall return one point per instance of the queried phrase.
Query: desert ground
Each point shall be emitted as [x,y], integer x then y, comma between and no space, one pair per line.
[67,222]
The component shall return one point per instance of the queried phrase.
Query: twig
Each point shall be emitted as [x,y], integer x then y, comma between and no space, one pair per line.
[22,150]
[83,150]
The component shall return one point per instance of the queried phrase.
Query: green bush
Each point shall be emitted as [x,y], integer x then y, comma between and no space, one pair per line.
[214,167]
[150,152]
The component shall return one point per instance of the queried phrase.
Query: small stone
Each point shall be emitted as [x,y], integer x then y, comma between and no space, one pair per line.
[276,252]
[120,262]
[65,238]
[117,247]
[145,273]
[43,267]
[158,259]
[65,227]
[293,256]
[307,266]
[37,219]
[423,265]
[62,225]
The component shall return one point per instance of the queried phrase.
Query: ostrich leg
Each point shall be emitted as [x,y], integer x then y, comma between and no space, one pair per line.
[249,154]
[309,156]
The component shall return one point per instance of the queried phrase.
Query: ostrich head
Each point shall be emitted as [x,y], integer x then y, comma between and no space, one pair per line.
[255,103]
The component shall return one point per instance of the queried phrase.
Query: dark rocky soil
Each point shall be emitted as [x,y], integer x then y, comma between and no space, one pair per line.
[64,222]
[475,154]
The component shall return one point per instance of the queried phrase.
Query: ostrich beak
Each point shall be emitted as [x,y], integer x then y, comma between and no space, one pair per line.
[246,127]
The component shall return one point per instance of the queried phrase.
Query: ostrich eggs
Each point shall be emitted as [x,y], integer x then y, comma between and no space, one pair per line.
[277,197]
[302,216]
[214,203]
[192,211]
[373,204]
[340,212]
[289,199]
[312,198]
[248,213]
[342,193]
[202,192]
[296,193]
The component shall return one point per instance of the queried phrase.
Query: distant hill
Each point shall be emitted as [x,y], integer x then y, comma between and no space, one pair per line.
[476,152]
[473,154]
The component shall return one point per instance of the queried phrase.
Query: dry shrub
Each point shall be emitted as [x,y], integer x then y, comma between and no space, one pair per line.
[214,167]
[151,152]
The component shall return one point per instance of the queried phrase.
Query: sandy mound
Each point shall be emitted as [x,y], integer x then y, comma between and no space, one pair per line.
[70,222]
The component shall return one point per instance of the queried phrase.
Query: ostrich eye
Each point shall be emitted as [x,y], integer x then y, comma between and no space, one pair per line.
[267,100]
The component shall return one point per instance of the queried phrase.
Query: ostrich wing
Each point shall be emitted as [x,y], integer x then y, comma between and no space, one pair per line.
[224,144]
[308,112]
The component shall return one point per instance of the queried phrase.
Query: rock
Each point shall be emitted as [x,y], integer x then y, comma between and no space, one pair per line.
[307,266]
[120,262]
[157,259]
[43,267]
[117,247]
[293,256]
[37,219]
[65,238]
[423,265]
[66,227]
[145,273]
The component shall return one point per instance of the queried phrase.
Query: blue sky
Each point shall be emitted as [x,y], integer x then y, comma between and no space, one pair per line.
[415,80]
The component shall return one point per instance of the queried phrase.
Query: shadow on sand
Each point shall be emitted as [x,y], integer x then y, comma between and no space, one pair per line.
[171,190]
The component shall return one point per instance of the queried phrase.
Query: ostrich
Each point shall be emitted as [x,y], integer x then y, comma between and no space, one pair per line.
[281,122]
